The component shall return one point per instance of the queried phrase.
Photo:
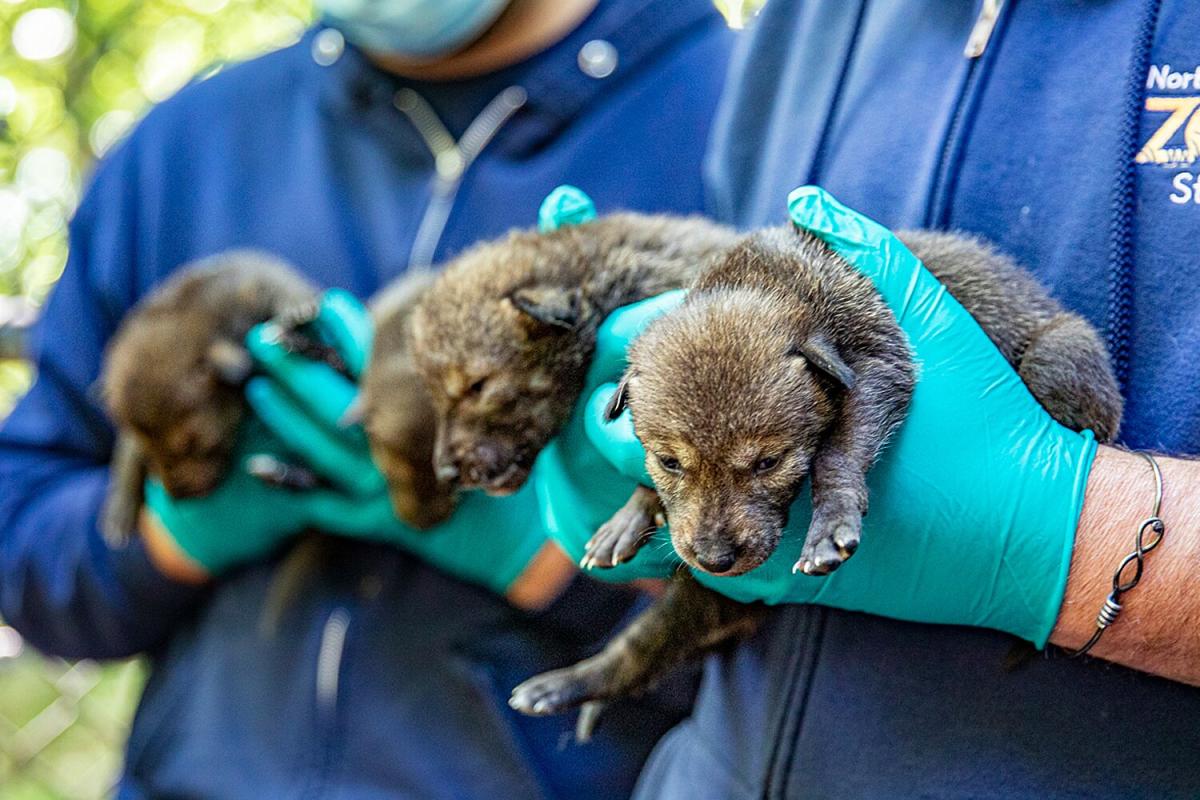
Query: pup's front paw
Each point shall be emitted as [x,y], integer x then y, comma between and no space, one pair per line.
[619,539]
[558,691]
[829,543]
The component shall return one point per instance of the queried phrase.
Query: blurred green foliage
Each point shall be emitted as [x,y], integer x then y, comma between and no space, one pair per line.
[739,13]
[63,726]
[75,76]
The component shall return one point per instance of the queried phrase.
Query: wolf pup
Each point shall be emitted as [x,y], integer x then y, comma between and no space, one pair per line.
[784,363]
[173,374]
[796,368]
[397,411]
[504,336]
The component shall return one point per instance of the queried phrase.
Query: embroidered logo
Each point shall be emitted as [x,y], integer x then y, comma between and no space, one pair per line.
[1175,143]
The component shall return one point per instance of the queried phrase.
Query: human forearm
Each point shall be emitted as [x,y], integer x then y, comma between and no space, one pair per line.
[166,555]
[61,586]
[1158,630]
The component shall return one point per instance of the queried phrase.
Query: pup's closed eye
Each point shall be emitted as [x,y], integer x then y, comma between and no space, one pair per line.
[669,463]
[765,464]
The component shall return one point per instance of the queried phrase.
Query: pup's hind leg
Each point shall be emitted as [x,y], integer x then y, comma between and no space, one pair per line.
[687,621]
[619,539]
[123,502]
[1067,369]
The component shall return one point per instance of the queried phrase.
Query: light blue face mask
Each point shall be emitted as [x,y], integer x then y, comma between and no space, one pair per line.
[415,28]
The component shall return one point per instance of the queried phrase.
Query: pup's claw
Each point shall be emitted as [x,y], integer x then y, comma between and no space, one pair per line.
[819,557]
[620,539]
[551,693]
[831,540]
[589,717]
[846,539]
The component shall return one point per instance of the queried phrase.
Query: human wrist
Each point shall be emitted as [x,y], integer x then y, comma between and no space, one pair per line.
[165,553]
[1152,632]
[543,580]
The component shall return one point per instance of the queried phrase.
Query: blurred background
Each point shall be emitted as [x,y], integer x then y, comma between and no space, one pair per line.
[74,77]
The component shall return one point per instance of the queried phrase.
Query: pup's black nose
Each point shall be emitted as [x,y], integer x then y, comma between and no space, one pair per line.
[717,562]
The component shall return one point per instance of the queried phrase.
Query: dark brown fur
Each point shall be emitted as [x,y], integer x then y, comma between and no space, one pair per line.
[823,375]
[173,374]
[397,412]
[783,352]
[504,336]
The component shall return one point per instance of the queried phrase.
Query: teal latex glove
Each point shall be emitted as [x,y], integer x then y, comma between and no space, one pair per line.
[577,486]
[580,485]
[975,501]
[488,541]
[565,205]
[243,519]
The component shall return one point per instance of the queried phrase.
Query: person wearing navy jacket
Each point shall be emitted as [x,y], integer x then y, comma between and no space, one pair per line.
[1069,135]
[390,678]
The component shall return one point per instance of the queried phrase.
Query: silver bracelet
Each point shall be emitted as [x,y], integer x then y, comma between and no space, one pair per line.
[1112,606]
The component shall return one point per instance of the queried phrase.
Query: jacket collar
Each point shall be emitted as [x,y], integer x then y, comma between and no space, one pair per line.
[639,32]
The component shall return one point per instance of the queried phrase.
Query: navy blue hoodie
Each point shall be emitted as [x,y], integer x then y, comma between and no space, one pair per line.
[387,679]
[1072,143]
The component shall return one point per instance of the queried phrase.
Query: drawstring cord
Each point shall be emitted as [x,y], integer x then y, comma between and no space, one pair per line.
[1124,200]
[451,159]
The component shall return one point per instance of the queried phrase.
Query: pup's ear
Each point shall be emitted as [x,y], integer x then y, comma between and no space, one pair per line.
[820,352]
[620,399]
[230,361]
[555,306]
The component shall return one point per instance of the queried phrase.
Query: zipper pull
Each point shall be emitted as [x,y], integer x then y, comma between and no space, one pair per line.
[985,23]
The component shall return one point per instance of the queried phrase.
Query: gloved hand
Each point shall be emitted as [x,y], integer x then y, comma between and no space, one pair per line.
[243,519]
[589,470]
[488,541]
[300,403]
[974,503]
[577,486]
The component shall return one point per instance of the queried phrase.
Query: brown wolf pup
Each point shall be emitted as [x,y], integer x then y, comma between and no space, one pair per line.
[173,375]
[785,363]
[397,411]
[504,336]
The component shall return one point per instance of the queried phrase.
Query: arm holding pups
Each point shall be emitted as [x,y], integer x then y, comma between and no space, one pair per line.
[958,365]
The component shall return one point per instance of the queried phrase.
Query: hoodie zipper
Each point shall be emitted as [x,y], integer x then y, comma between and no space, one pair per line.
[942,189]
[451,159]
[985,23]
[1122,225]
[329,661]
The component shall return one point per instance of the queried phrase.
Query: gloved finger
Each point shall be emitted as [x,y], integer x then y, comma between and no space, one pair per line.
[340,456]
[615,440]
[871,247]
[565,205]
[349,515]
[318,388]
[940,329]
[344,324]
[620,329]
